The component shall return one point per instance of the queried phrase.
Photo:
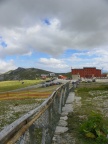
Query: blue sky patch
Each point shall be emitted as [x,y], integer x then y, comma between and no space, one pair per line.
[70,52]
[27,61]
[47,22]
[3,44]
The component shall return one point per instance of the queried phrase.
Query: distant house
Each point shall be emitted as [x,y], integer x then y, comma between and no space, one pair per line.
[87,72]
[76,76]
[62,77]
[104,75]
[51,74]
[44,76]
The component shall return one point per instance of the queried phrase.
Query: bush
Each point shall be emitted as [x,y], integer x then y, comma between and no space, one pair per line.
[94,128]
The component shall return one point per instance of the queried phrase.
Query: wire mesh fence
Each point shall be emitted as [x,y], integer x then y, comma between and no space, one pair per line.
[37,126]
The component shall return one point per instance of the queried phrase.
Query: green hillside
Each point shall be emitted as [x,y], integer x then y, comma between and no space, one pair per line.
[27,74]
[23,73]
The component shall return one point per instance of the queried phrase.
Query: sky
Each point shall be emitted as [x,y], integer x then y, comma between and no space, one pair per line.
[54,35]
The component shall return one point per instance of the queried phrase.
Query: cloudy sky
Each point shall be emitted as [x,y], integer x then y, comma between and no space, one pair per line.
[53,35]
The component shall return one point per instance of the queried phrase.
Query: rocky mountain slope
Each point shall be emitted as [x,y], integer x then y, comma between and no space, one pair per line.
[23,73]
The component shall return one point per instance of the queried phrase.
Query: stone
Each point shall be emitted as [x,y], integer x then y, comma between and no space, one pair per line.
[54,138]
[62,123]
[64,118]
[68,108]
[65,138]
[64,113]
[70,98]
[60,130]
[83,117]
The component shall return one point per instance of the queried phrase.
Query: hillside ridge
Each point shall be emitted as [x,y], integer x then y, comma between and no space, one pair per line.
[23,73]
[27,73]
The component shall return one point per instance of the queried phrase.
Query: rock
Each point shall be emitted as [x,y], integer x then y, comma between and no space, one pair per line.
[68,108]
[60,130]
[54,138]
[64,113]
[62,123]
[83,117]
[65,138]
[70,98]
[64,118]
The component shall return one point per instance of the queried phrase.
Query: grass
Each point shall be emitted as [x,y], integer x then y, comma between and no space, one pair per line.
[12,85]
[94,128]
[92,86]
[34,93]
[15,104]
[82,112]
[10,110]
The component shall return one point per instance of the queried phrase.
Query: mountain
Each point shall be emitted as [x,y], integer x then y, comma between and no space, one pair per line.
[23,73]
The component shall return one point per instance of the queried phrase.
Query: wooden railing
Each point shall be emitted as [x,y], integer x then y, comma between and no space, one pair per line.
[38,125]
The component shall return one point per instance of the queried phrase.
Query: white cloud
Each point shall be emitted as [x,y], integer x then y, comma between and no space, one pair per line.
[54,63]
[92,58]
[73,24]
[57,65]
[48,39]
[28,54]
[6,66]
[80,24]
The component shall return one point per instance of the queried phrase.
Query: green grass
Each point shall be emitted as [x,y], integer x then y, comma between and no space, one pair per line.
[31,93]
[12,85]
[12,109]
[82,112]
[92,87]
[94,128]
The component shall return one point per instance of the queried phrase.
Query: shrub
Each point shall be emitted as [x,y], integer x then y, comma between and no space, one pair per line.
[94,128]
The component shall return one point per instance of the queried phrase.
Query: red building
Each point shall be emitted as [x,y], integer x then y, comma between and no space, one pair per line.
[87,72]
[62,77]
